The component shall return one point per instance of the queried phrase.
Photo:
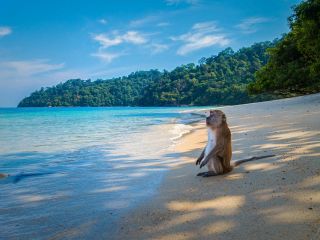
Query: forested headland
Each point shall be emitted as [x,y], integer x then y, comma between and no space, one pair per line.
[263,71]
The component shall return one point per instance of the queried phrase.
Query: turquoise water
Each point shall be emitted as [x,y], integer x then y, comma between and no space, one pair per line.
[72,167]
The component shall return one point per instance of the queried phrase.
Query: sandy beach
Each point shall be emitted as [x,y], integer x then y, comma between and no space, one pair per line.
[274,198]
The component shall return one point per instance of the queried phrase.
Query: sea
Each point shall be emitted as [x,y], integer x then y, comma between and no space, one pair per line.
[75,172]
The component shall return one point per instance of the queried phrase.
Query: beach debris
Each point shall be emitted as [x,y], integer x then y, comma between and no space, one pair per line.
[20,176]
[3,175]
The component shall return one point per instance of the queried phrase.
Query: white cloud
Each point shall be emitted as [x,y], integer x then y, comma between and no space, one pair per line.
[158,48]
[106,56]
[5,31]
[202,42]
[201,35]
[106,42]
[249,25]
[114,39]
[206,27]
[163,24]
[103,21]
[133,37]
[143,21]
[28,68]
[176,2]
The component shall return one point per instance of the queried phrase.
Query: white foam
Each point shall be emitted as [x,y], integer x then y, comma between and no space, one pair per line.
[179,130]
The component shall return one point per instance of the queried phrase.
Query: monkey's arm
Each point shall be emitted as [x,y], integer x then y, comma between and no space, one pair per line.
[216,151]
[200,157]
[206,159]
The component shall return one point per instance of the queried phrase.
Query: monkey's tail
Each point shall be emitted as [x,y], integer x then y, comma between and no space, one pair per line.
[238,162]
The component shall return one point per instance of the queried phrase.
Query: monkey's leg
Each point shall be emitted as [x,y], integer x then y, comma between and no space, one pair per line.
[218,165]
[212,171]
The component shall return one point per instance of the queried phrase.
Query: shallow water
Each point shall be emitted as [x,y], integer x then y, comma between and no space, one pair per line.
[75,171]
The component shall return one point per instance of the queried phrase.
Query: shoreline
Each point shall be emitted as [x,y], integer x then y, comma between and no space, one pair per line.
[270,198]
[86,188]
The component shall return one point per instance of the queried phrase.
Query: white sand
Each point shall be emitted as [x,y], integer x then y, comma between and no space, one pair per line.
[275,198]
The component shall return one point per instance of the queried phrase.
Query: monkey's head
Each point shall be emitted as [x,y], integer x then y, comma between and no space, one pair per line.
[216,119]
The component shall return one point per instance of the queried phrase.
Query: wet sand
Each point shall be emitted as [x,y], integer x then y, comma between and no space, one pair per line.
[274,198]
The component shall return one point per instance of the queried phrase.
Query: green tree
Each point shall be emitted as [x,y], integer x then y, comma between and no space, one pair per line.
[220,79]
[294,64]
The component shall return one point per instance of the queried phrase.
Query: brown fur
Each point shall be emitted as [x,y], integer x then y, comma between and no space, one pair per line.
[222,152]
[223,147]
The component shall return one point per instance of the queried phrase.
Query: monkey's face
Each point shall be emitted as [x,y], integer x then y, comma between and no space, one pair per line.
[216,119]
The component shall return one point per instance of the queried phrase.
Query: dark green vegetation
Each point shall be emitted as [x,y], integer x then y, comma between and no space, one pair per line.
[294,64]
[220,79]
[269,69]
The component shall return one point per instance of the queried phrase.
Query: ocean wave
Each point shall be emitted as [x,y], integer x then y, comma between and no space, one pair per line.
[180,130]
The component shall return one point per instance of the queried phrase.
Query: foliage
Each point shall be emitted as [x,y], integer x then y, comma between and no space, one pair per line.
[220,79]
[294,64]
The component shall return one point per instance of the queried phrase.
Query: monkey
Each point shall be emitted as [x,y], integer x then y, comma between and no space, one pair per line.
[218,152]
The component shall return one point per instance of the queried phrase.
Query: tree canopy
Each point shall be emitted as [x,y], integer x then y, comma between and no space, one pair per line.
[294,64]
[220,79]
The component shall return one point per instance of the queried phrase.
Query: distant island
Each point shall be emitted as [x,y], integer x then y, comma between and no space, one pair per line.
[220,79]
[264,71]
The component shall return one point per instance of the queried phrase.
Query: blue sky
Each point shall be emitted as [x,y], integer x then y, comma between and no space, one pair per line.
[43,43]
